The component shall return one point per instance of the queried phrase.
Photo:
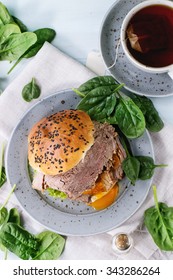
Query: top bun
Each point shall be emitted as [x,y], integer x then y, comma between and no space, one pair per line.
[58,142]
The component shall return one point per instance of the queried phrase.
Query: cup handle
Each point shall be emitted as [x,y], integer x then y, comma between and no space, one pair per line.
[170,72]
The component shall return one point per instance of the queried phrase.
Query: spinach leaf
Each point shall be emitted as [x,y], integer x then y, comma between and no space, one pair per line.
[94,83]
[131,167]
[110,119]
[43,35]
[2,247]
[20,24]
[16,44]
[159,222]
[7,30]
[130,118]
[99,100]
[2,168]
[147,167]
[13,216]
[31,91]
[5,16]
[130,164]
[1,158]
[153,121]
[137,167]
[3,215]
[3,177]
[99,103]
[51,246]
[19,241]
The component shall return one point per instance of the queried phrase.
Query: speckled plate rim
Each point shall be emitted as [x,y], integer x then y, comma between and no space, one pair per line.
[75,225]
[111,72]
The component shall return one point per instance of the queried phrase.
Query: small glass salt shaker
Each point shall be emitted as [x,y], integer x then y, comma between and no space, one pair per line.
[122,243]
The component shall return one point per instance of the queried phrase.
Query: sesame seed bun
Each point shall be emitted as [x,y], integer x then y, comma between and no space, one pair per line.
[58,142]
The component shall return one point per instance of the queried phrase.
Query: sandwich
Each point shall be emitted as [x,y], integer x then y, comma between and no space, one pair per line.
[79,157]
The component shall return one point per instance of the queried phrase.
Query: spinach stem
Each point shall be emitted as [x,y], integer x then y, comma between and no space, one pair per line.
[8,197]
[125,146]
[78,92]
[14,65]
[120,94]
[160,165]
[155,197]
[1,158]
[116,91]
[32,82]
[119,87]
[5,254]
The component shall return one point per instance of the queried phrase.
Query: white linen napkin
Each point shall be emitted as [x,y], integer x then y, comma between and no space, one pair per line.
[53,71]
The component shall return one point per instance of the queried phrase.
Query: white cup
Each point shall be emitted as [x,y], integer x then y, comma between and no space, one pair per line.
[123,38]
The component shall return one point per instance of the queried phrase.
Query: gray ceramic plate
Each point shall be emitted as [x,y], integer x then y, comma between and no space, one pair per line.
[153,85]
[67,217]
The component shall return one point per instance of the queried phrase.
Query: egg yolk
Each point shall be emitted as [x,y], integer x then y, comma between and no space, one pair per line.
[104,199]
[98,188]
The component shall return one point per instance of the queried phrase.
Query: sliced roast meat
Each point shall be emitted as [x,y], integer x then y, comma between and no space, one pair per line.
[84,175]
[38,181]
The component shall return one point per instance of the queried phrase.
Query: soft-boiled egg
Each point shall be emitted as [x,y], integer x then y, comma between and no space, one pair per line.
[104,199]
[104,193]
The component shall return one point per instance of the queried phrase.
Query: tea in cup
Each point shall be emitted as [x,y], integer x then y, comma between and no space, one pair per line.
[147,36]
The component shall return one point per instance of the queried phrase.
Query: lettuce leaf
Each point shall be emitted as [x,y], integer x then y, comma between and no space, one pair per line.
[56,193]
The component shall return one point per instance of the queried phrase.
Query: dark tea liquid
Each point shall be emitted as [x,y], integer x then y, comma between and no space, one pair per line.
[162,53]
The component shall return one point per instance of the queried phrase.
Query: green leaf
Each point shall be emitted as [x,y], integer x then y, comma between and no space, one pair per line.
[96,82]
[16,45]
[2,168]
[13,216]
[111,119]
[2,247]
[56,193]
[31,91]
[131,167]
[130,118]
[147,167]
[5,16]
[159,222]
[7,30]
[43,35]
[153,121]
[20,24]
[3,177]
[19,241]
[1,158]
[125,143]
[99,103]
[3,215]
[51,246]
